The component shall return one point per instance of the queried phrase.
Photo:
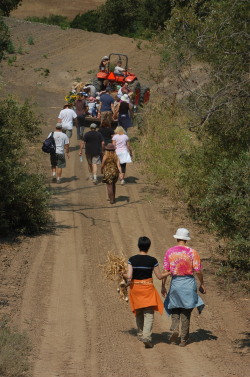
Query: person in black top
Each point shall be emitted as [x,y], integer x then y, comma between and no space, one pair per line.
[107,132]
[144,299]
[94,147]
[124,112]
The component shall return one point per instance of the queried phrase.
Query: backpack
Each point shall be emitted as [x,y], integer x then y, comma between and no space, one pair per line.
[49,145]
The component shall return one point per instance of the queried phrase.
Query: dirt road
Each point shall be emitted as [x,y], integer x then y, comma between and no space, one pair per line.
[77,324]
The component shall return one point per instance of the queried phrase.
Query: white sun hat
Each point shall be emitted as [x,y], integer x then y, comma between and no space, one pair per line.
[182,234]
[125,98]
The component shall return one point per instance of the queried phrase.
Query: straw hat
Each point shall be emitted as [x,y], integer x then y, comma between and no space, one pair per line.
[110,147]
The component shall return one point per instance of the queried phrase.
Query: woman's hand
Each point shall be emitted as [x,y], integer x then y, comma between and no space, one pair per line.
[163,291]
[202,289]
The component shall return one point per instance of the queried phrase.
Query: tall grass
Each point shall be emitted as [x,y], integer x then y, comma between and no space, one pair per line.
[163,142]
[14,351]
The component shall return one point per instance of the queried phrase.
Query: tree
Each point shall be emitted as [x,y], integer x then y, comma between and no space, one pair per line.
[211,37]
[4,38]
[6,6]
[23,195]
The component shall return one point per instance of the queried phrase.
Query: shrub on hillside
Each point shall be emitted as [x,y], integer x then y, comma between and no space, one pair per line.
[128,18]
[88,21]
[218,192]
[5,41]
[23,195]
[53,19]
[6,6]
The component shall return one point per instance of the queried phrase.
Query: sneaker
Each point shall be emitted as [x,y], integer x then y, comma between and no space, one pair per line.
[54,179]
[174,337]
[147,343]
[122,182]
[58,180]
[94,181]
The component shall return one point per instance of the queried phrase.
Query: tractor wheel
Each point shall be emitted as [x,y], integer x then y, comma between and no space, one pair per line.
[136,89]
[145,94]
[97,84]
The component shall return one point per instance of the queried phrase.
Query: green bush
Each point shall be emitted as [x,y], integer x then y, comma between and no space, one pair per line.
[53,19]
[6,6]
[4,38]
[14,351]
[138,19]
[88,21]
[11,48]
[212,171]
[31,41]
[23,195]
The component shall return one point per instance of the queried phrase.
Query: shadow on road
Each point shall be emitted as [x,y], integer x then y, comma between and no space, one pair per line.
[200,335]
[131,179]
[157,338]
[122,199]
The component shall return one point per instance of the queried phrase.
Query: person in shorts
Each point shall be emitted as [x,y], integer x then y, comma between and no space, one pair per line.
[93,142]
[67,116]
[57,159]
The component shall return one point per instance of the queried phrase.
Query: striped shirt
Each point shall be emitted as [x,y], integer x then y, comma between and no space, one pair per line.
[143,266]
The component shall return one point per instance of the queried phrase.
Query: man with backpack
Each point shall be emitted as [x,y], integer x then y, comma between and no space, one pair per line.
[57,158]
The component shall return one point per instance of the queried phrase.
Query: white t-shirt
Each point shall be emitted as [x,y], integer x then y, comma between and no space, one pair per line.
[92,106]
[67,116]
[120,143]
[60,139]
[118,70]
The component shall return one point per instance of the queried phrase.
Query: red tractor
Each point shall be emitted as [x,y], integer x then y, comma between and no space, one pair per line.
[141,93]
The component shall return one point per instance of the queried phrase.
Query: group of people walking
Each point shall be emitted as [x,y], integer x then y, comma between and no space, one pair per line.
[112,150]
[181,263]
[106,147]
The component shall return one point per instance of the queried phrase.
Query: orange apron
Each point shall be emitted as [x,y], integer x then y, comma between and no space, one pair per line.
[142,294]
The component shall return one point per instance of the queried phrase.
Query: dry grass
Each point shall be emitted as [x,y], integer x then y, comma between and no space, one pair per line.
[113,269]
[14,350]
[163,141]
[44,8]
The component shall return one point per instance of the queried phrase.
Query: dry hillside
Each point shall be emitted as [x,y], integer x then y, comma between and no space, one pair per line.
[44,8]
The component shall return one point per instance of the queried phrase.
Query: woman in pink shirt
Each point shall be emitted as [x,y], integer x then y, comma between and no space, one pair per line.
[123,149]
[182,262]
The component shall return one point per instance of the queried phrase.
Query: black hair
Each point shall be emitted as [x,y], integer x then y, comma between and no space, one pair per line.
[144,243]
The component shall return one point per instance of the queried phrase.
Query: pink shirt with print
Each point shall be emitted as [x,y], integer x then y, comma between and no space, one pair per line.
[181,261]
